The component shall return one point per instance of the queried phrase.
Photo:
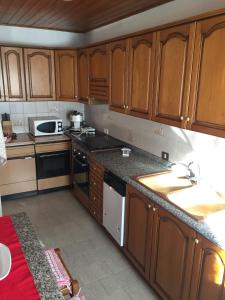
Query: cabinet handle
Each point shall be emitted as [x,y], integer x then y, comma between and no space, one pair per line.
[181,118]
[196,241]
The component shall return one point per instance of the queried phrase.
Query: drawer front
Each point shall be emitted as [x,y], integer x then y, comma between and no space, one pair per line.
[18,170]
[19,187]
[52,147]
[54,182]
[20,151]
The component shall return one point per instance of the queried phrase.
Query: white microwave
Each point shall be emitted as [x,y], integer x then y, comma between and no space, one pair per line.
[39,126]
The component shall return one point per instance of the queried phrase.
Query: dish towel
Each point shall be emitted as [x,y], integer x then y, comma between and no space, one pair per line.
[2,147]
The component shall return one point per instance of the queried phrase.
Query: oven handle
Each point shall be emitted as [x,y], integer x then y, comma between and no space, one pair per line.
[51,155]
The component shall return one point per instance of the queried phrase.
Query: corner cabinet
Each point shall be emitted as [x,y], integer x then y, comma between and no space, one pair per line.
[118,75]
[66,75]
[98,72]
[13,73]
[40,74]
[208,280]
[174,56]
[207,109]
[142,62]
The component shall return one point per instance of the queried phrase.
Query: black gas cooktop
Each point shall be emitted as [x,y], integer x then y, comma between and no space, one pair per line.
[98,141]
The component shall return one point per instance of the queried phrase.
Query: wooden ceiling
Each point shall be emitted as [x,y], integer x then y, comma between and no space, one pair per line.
[70,15]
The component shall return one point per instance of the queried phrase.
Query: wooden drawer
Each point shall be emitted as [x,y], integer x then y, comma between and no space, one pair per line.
[18,187]
[52,147]
[20,151]
[54,182]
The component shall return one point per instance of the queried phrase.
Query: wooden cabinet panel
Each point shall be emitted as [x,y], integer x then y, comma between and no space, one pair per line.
[174,57]
[98,72]
[83,74]
[118,75]
[172,257]
[207,109]
[142,60]
[139,222]
[208,280]
[13,73]
[66,74]
[40,74]
[2,92]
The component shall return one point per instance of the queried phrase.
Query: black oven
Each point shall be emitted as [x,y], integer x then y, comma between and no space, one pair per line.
[53,164]
[80,170]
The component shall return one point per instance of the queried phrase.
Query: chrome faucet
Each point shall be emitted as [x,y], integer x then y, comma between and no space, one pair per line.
[191,173]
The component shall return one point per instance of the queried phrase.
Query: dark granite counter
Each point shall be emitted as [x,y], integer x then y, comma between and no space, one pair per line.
[22,139]
[36,259]
[141,162]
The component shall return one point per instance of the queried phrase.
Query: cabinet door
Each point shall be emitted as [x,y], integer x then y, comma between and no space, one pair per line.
[118,72]
[174,57]
[2,92]
[208,280]
[98,72]
[172,257]
[13,73]
[40,74]
[139,221]
[66,74]
[82,74]
[207,109]
[142,61]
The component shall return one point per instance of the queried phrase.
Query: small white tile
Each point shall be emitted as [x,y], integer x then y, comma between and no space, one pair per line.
[53,106]
[16,107]
[29,107]
[41,107]
[4,107]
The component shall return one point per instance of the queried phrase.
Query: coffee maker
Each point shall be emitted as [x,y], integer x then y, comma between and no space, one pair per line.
[76,119]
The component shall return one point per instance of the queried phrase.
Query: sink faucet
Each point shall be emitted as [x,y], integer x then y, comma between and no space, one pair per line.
[191,171]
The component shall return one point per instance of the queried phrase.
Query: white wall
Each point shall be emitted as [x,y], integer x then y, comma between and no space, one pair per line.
[11,35]
[20,111]
[182,145]
[170,12]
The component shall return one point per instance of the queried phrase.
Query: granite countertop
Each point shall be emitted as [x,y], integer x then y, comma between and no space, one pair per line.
[140,163]
[23,139]
[36,259]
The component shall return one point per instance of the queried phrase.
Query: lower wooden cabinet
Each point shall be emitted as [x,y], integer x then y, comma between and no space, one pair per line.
[208,278]
[172,256]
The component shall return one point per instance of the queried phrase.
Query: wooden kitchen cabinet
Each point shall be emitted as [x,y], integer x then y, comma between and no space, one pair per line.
[66,74]
[13,73]
[207,109]
[208,279]
[83,74]
[171,257]
[118,75]
[96,178]
[2,92]
[139,225]
[18,175]
[174,57]
[40,74]
[98,72]
[142,62]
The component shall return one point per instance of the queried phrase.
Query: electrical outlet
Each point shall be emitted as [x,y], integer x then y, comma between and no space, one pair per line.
[159,131]
[165,155]
[106,131]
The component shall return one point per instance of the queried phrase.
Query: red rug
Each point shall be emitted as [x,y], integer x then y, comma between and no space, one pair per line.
[19,284]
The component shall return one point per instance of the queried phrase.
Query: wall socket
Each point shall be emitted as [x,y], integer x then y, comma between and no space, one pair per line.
[165,155]
[106,131]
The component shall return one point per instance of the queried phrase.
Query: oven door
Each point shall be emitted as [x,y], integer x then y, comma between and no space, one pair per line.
[53,164]
[81,172]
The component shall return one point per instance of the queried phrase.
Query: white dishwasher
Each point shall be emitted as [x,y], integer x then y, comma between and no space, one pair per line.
[114,192]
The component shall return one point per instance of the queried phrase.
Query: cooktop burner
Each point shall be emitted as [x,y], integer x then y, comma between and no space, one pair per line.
[98,141]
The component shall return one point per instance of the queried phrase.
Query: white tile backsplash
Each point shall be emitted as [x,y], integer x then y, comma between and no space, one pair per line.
[20,111]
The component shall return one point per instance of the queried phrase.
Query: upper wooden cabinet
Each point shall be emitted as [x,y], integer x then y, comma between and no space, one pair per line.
[13,73]
[208,280]
[40,74]
[174,56]
[172,257]
[142,62]
[2,93]
[207,109]
[139,223]
[98,72]
[66,74]
[82,74]
[118,75]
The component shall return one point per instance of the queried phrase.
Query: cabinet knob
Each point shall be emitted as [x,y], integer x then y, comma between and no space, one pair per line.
[94,213]
[94,183]
[124,106]
[127,106]
[149,206]
[196,241]
[154,209]
[94,198]
[188,119]
[181,118]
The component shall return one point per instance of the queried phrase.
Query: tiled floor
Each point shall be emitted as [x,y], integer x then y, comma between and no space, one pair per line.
[103,272]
